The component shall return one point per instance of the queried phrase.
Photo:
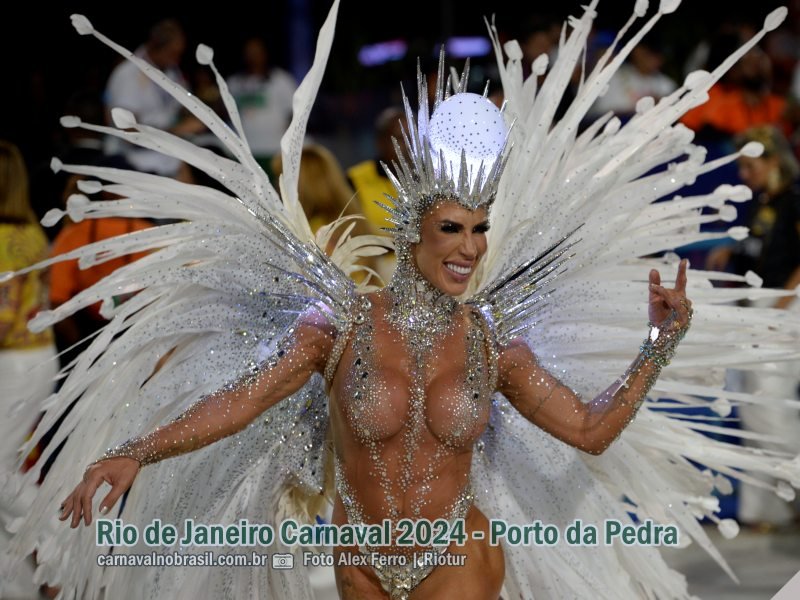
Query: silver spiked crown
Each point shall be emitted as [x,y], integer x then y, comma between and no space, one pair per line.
[457,153]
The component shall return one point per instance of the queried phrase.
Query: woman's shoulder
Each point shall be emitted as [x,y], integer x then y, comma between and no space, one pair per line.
[482,318]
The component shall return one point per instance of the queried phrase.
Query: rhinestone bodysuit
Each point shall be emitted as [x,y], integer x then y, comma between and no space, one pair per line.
[413,395]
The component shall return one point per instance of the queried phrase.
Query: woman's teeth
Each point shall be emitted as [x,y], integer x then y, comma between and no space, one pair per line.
[458,269]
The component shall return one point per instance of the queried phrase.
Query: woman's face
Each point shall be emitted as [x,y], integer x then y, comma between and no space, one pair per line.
[452,241]
[755,172]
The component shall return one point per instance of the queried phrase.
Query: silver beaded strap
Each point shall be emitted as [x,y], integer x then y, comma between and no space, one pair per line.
[486,325]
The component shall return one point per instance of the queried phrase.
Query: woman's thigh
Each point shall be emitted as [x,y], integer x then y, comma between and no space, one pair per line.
[478,572]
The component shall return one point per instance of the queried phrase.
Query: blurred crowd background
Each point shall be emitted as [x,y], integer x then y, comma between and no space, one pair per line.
[263,52]
[48,68]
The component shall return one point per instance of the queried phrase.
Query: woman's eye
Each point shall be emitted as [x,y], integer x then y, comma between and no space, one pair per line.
[449,228]
[481,229]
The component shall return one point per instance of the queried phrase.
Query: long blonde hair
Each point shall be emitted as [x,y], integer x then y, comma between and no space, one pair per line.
[14,200]
[322,187]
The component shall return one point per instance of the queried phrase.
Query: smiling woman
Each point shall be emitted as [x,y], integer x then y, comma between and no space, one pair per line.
[452,242]
[410,379]
[407,404]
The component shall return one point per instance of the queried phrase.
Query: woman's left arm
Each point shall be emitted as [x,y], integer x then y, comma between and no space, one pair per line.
[592,426]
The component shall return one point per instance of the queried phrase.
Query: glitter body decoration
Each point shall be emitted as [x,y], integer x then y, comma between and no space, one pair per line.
[407,435]
[404,401]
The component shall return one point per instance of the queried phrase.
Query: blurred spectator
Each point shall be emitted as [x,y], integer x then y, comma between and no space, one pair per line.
[773,248]
[639,77]
[745,99]
[323,189]
[68,280]
[540,36]
[204,87]
[773,252]
[325,196]
[371,182]
[82,147]
[783,48]
[740,100]
[795,89]
[369,178]
[129,88]
[793,110]
[27,360]
[263,94]
[710,51]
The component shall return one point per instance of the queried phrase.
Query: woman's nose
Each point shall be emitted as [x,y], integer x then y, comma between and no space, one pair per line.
[468,247]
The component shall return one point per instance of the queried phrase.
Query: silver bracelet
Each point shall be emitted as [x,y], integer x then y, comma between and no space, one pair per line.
[662,340]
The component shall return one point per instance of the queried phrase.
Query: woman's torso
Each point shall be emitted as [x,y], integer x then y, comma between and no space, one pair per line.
[405,420]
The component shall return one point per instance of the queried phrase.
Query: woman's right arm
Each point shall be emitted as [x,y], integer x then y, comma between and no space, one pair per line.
[217,416]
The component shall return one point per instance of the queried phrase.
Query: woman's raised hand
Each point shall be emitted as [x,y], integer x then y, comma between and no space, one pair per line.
[663,300]
[119,472]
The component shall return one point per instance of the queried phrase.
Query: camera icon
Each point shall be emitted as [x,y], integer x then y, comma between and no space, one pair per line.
[283,561]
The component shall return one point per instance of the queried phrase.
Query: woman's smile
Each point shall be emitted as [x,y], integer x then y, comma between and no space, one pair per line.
[459,271]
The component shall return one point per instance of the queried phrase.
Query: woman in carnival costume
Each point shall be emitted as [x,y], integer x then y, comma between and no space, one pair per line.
[415,400]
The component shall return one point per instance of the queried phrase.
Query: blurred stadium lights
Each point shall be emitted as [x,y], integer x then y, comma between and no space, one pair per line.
[373,55]
[463,47]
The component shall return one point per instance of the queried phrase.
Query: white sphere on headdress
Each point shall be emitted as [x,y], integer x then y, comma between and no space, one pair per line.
[470,123]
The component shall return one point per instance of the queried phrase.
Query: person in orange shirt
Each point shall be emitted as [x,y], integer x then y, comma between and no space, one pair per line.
[743,101]
[67,279]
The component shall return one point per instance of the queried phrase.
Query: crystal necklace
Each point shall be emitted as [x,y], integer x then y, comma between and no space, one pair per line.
[419,310]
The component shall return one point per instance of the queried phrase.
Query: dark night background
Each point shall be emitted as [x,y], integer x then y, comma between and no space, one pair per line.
[44,60]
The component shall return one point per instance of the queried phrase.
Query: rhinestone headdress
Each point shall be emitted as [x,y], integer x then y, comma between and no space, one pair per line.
[457,153]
